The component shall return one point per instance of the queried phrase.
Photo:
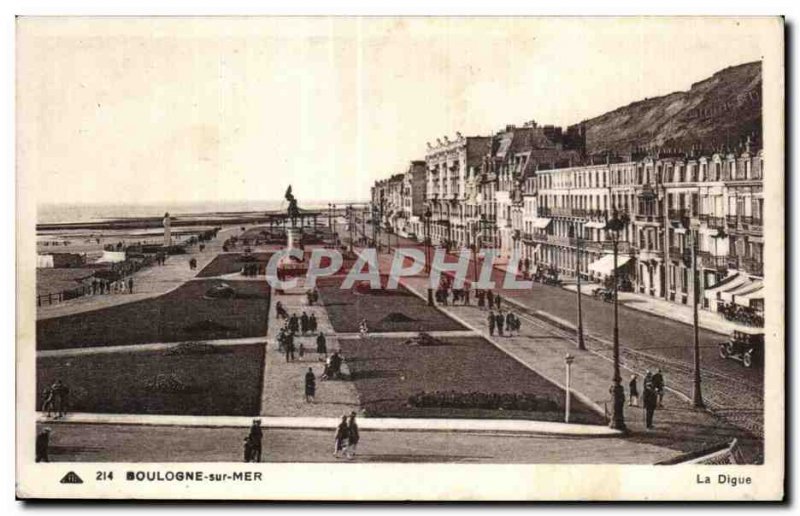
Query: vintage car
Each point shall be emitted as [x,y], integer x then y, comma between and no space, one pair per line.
[746,346]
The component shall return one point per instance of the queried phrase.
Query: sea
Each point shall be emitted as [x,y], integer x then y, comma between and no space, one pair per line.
[64,213]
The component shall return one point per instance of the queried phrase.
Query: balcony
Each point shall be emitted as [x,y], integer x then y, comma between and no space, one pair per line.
[732,220]
[643,217]
[716,222]
[678,215]
[543,212]
[751,266]
[675,253]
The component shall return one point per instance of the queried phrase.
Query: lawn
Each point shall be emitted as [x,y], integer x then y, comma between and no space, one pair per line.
[384,310]
[225,382]
[183,314]
[229,263]
[386,371]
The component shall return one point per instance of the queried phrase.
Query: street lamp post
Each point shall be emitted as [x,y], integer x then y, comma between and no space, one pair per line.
[615,226]
[568,360]
[691,261]
[350,225]
[427,226]
[574,233]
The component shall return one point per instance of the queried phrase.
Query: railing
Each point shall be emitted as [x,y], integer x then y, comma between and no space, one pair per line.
[716,222]
[642,217]
[543,212]
[678,214]
[732,220]
[752,266]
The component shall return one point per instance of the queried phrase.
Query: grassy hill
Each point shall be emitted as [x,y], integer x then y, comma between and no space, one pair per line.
[723,109]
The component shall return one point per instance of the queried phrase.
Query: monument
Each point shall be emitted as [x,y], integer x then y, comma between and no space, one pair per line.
[293,233]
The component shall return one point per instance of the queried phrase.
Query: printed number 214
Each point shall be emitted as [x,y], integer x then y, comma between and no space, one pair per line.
[105,475]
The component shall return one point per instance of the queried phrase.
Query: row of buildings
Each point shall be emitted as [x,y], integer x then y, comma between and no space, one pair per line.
[535,191]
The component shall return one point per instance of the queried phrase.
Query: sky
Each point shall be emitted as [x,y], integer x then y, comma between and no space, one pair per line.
[138,110]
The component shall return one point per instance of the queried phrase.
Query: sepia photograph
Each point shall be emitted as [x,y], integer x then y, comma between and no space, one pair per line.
[258,257]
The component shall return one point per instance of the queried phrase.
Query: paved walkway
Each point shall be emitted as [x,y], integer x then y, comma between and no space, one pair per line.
[330,423]
[283,391]
[147,283]
[158,444]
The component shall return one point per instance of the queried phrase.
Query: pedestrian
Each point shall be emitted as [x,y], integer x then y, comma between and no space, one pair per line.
[304,323]
[499,320]
[352,436]
[43,445]
[510,322]
[60,394]
[322,347]
[650,403]
[130,285]
[301,351]
[312,323]
[341,438]
[362,328]
[497,300]
[490,299]
[255,439]
[311,386]
[492,322]
[633,389]
[481,298]
[248,449]
[48,403]
[658,385]
[294,325]
[335,364]
[466,297]
[289,343]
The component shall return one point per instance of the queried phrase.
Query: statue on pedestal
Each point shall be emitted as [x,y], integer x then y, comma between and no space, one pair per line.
[293,211]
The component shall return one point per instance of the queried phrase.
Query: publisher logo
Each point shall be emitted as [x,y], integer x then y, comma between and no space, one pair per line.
[71,478]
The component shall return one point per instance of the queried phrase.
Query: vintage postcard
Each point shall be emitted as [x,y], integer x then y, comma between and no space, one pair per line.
[400,258]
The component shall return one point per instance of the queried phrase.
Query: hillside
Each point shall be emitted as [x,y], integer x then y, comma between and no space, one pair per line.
[723,109]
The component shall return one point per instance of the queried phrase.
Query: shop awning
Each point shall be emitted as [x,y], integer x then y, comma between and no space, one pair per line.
[605,265]
[541,223]
[745,286]
[732,282]
[595,224]
[744,299]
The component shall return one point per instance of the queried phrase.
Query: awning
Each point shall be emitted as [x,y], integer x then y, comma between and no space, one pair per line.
[44,261]
[605,265]
[541,223]
[747,285]
[725,288]
[744,299]
[594,224]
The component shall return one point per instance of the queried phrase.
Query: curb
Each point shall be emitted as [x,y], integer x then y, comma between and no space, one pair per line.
[482,426]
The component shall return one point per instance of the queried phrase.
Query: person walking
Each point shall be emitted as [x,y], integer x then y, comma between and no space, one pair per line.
[289,347]
[352,436]
[322,346]
[658,385]
[510,323]
[43,446]
[312,323]
[255,437]
[497,301]
[466,297]
[301,351]
[60,395]
[499,320]
[304,323]
[340,439]
[294,327]
[650,403]
[490,299]
[130,285]
[492,322]
[311,386]
[481,298]
[633,389]
[248,449]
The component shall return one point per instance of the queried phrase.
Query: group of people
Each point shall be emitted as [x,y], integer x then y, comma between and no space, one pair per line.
[488,298]
[312,296]
[652,395]
[252,443]
[303,324]
[120,286]
[506,325]
[55,399]
[347,437]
